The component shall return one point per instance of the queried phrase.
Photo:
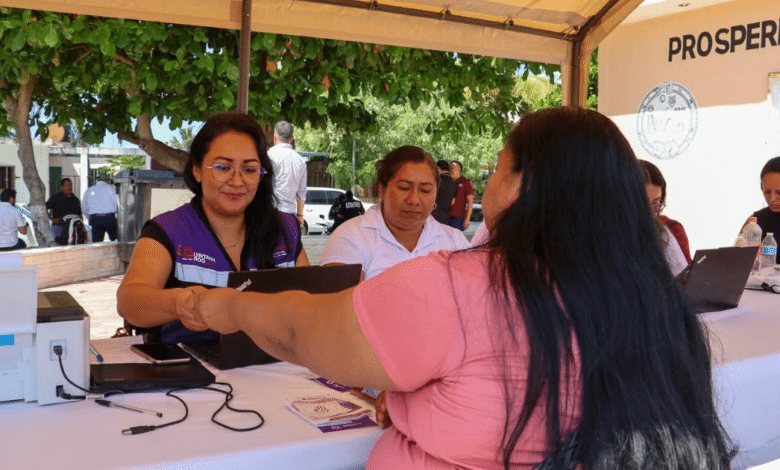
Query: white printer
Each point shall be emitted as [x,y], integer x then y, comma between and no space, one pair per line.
[32,324]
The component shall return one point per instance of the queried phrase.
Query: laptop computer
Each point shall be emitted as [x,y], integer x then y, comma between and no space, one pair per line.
[716,278]
[237,349]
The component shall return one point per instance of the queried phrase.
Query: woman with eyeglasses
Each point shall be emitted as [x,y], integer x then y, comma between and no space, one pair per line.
[676,249]
[230,225]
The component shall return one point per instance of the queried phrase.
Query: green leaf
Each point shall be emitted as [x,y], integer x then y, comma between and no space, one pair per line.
[107,46]
[18,41]
[152,82]
[222,65]
[232,71]
[206,62]
[134,108]
[48,36]
[312,48]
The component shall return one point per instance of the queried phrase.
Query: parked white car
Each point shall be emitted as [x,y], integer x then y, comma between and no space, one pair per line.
[318,204]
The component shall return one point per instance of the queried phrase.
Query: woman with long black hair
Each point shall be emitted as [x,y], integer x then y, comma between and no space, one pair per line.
[564,340]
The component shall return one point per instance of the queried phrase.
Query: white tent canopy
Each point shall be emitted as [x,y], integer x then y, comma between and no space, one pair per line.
[563,32]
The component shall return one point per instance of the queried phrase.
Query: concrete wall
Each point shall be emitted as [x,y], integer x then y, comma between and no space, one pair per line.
[9,156]
[68,264]
[706,115]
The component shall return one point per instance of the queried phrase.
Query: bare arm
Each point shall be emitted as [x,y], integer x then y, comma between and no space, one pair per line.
[141,298]
[469,208]
[320,332]
[302,259]
[22,230]
[299,214]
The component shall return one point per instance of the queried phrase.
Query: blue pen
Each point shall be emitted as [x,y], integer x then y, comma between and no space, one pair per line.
[94,351]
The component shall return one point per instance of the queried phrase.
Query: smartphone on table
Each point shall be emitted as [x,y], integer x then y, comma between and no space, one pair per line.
[161,354]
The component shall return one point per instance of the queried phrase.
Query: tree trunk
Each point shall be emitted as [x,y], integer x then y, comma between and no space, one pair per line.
[18,109]
[165,155]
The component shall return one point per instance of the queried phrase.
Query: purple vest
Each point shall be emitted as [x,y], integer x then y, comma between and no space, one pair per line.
[200,259]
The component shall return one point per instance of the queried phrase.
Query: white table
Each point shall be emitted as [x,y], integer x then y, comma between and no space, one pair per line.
[746,356]
[84,435]
[745,343]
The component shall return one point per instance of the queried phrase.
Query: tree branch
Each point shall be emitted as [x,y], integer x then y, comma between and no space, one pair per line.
[166,156]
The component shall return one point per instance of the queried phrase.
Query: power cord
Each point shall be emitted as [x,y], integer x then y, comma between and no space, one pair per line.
[226,404]
[144,429]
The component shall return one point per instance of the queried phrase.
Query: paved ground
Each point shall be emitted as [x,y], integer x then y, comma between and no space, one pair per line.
[98,296]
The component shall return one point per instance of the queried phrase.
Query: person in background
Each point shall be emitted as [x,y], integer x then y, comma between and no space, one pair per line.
[445,194]
[656,192]
[58,206]
[11,222]
[335,207]
[400,227]
[348,208]
[99,207]
[672,251]
[769,217]
[289,172]
[462,205]
[565,339]
[230,225]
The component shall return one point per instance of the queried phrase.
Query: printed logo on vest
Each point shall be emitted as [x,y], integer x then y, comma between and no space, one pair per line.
[189,254]
[280,252]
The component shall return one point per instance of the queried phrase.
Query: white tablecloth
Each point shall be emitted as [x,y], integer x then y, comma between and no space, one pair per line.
[746,354]
[84,435]
[745,344]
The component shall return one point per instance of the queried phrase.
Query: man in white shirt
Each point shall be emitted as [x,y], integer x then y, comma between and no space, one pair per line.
[289,172]
[99,207]
[11,222]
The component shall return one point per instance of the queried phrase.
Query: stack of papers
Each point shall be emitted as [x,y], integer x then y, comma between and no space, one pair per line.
[332,412]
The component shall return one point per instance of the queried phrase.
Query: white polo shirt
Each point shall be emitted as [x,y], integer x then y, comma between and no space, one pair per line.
[10,221]
[367,240]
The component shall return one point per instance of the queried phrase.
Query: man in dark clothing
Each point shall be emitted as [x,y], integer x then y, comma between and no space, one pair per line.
[61,204]
[445,194]
[349,208]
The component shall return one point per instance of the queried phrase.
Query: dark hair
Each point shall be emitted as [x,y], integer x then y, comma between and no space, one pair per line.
[7,194]
[262,220]
[388,166]
[349,195]
[576,259]
[654,177]
[64,180]
[772,166]
[460,165]
[443,165]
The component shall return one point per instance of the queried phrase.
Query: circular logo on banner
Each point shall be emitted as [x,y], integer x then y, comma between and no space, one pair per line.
[667,120]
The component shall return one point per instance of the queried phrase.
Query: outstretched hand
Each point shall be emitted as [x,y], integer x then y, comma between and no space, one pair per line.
[199,308]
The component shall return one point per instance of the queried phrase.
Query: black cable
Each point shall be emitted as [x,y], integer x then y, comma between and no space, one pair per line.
[143,429]
[226,404]
[62,368]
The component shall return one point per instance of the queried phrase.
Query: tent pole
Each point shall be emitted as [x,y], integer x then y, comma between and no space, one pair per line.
[243,60]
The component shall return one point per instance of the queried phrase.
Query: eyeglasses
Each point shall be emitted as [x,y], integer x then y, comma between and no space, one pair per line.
[657,206]
[224,173]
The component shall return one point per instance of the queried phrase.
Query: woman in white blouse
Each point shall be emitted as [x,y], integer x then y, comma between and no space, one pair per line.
[400,227]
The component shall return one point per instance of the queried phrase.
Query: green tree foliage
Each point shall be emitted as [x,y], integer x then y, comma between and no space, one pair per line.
[403,125]
[118,75]
[553,95]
